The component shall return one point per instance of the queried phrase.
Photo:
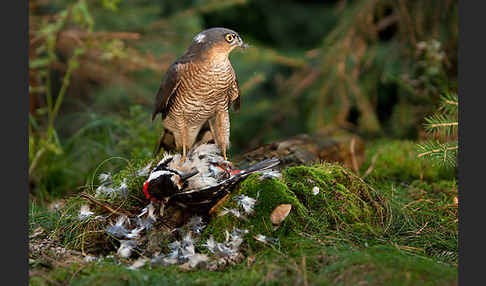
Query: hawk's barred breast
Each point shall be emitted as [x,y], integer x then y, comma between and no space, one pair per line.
[203,90]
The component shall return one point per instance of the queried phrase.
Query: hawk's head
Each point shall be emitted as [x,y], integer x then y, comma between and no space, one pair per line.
[216,41]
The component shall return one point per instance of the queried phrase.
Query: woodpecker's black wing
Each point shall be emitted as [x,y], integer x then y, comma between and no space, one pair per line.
[206,197]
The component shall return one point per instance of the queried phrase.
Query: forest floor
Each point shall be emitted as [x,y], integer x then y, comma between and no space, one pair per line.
[396,226]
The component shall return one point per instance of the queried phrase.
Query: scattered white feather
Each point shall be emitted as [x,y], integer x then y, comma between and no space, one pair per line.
[134,233]
[123,188]
[187,247]
[105,190]
[315,190]
[84,212]
[90,258]
[104,177]
[196,224]
[174,248]
[144,171]
[210,244]
[228,248]
[182,251]
[163,260]
[197,259]
[150,219]
[270,173]
[246,203]
[265,239]
[118,230]
[138,263]
[240,231]
[126,248]
[234,212]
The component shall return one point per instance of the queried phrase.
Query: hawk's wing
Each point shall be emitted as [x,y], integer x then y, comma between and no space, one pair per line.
[236,95]
[167,90]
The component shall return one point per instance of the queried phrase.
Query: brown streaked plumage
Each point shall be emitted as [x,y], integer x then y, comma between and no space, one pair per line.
[199,87]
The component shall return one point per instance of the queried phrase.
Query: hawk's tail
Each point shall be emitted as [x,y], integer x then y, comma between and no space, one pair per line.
[164,142]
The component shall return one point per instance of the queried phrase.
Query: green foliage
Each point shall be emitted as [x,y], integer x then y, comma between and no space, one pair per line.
[443,124]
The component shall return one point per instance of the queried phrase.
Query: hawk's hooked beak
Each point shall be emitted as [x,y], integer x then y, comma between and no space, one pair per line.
[241,44]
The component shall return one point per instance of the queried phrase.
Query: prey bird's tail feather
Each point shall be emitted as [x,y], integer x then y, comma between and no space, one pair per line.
[260,166]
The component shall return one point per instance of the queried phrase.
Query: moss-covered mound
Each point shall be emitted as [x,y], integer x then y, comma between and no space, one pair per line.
[344,202]
[270,193]
[325,198]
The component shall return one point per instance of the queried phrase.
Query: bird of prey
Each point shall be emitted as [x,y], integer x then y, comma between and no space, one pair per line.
[200,87]
[201,180]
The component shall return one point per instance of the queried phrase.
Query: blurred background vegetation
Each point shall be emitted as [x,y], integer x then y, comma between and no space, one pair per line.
[374,67]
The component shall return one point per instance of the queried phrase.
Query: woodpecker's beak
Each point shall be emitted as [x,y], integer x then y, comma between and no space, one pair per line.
[189,175]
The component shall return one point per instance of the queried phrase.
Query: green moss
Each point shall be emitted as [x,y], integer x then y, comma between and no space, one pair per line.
[270,194]
[423,216]
[397,160]
[344,202]
[307,262]
[385,265]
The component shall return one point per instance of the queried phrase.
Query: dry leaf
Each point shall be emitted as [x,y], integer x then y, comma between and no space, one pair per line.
[280,213]
[456,201]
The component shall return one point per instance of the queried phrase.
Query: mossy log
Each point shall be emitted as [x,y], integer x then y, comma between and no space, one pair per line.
[331,146]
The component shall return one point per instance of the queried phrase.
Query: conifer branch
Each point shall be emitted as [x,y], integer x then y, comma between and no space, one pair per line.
[444,122]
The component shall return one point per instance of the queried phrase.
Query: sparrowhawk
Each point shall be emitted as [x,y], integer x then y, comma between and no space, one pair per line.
[199,87]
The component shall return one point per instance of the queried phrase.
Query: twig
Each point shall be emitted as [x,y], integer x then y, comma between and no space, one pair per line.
[372,165]
[444,124]
[93,200]
[422,228]
[36,160]
[304,270]
[353,156]
[220,202]
[437,151]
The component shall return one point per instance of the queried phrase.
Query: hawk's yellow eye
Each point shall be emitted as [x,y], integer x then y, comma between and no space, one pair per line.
[229,38]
